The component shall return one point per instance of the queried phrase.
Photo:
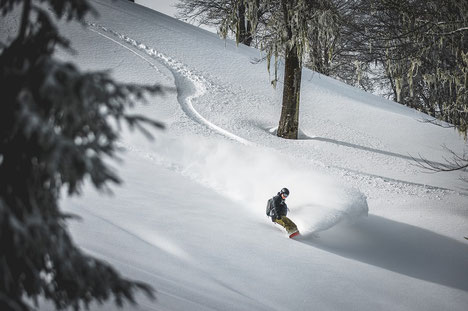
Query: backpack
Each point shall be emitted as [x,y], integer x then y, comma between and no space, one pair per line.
[269,206]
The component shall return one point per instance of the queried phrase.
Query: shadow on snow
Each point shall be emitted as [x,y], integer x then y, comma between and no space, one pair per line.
[400,248]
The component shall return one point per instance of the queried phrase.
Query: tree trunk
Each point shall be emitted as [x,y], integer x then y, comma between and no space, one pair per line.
[244,31]
[248,34]
[24,20]
[289,121]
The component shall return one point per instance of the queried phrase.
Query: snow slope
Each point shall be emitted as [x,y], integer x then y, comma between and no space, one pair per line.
[378,232]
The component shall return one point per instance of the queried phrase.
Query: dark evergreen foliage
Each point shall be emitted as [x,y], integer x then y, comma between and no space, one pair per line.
[55,132]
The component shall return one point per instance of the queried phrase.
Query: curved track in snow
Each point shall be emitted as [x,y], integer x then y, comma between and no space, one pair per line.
[189,85]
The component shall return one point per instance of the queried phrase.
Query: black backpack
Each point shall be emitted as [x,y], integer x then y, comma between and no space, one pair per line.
[269,206]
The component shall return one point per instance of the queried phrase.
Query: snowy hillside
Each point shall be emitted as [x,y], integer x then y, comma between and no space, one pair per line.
[378,232]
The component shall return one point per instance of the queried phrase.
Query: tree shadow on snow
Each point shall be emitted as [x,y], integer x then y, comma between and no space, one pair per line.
[399,247]
[267,127]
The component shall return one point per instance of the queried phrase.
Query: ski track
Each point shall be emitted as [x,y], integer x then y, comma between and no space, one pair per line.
[180,72]
[183,75]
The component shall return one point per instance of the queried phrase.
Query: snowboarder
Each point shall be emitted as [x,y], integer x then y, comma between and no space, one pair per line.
[277,210]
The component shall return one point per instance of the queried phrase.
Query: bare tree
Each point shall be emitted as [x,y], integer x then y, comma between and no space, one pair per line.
[284,28]
[217,13]
[422,47]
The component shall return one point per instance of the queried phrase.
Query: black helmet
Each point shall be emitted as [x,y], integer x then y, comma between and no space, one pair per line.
[284,191]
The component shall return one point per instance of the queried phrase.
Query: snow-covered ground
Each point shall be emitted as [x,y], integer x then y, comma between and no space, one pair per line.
[379,233]
[162,6]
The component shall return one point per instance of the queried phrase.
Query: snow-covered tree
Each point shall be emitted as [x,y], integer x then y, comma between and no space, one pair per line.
[55,132]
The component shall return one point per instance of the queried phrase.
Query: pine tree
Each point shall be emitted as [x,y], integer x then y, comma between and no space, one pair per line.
[55,131]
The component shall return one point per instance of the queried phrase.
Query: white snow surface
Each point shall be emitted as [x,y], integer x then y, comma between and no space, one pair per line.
[378,232]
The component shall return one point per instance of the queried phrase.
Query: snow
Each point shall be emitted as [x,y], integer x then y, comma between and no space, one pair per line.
[162,6]
[378,232]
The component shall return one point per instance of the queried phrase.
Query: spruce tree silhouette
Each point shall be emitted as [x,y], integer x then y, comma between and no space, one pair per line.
[55,131]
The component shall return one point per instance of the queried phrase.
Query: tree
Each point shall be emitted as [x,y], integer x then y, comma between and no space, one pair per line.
[298,30]
[292,28]
[282,28]
[55,132]
[422,47]
[217,13]
[344,56]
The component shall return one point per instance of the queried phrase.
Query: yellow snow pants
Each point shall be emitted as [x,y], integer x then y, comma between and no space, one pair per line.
[287,224]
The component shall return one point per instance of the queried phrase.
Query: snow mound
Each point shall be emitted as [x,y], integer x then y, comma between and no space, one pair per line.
[329,206]
[250,175]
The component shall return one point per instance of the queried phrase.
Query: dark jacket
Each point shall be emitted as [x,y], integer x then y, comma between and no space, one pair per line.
[278,207]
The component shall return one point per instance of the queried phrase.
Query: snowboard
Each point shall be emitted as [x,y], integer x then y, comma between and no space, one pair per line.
[294,234]
[291,235]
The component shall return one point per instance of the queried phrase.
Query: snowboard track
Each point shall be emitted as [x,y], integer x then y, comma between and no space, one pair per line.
[183,75]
